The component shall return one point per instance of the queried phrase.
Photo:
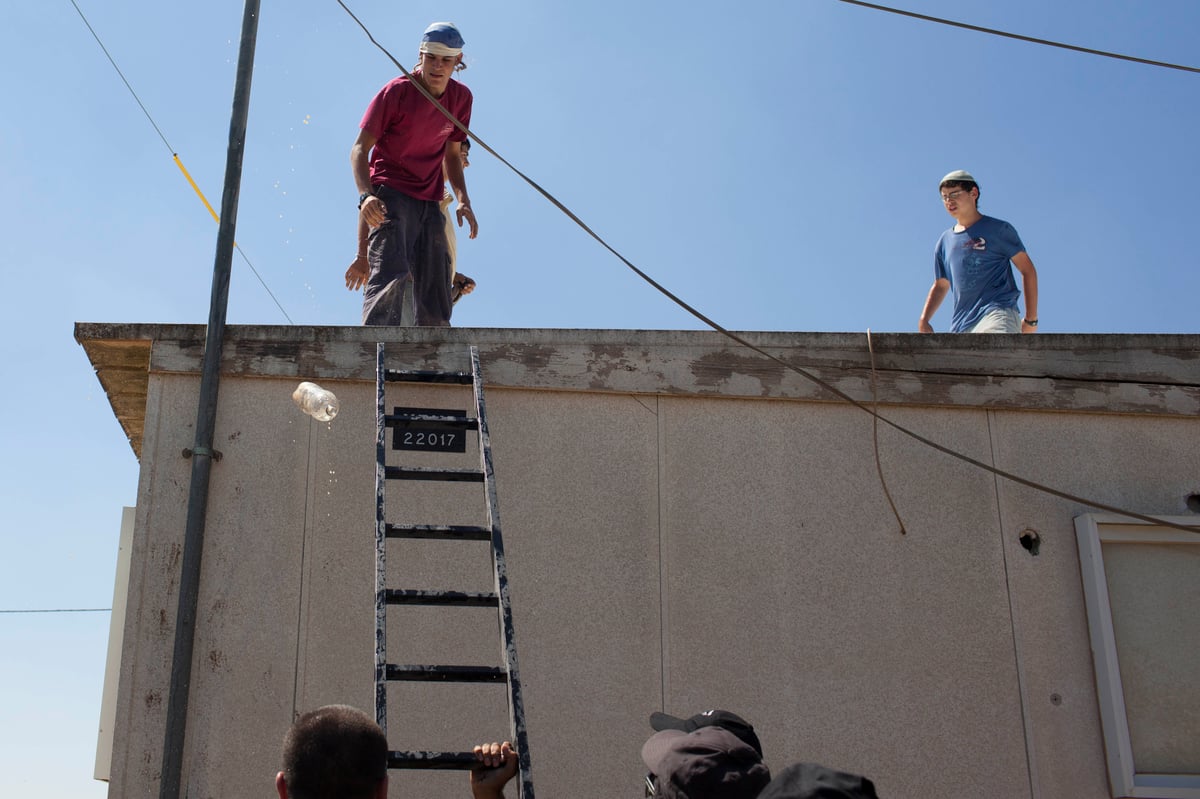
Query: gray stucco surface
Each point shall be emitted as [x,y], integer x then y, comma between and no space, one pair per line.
[668,550]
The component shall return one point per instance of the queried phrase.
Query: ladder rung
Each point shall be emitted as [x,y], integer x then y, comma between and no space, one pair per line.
[461,599]
[432,760]
[421,376]
[428,473]
[431,421]
[446,673]
[441,532]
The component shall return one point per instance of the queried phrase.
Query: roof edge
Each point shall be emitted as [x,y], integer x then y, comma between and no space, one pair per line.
[1089,373]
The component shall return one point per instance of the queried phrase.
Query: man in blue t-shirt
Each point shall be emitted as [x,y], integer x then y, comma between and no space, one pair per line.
[975,258]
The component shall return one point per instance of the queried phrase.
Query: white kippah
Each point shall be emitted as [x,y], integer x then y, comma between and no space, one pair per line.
[959,174]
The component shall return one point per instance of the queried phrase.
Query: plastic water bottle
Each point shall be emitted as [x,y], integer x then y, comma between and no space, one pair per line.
[317,402]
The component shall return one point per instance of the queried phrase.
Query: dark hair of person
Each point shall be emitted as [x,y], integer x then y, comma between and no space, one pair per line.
[961,184]
[334,752]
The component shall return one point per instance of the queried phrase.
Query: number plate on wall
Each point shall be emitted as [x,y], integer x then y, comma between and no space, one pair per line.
[429,436]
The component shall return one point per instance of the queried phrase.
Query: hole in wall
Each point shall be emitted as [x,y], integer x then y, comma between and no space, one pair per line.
[1193,503]
[1030,540]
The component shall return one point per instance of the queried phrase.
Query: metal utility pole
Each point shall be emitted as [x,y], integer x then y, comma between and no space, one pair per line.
[206,416]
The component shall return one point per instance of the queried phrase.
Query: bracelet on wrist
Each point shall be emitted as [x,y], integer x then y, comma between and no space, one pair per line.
[362,198]
[1030,322]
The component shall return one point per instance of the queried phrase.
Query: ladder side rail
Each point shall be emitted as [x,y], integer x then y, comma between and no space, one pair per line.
[516,706]
[380,676]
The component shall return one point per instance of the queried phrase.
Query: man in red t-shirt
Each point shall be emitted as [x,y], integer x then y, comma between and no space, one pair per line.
[405,146]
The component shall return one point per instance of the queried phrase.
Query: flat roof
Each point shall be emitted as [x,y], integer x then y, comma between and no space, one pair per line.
[1156,374]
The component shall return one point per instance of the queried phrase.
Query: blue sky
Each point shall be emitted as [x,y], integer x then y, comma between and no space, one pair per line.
[774,163]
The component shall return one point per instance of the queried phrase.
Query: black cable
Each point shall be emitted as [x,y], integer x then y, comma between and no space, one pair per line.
[1019,37]
[172,151]
[875,436]
[735,337]
[122,74]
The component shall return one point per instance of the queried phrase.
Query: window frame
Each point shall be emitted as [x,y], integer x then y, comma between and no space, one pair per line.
[1125,781]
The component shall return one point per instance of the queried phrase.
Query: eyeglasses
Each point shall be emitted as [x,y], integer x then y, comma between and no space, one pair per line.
[949,197]
[650,789]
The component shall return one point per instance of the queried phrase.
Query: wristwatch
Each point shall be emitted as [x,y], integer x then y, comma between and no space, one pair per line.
[1030,322]
[362,198]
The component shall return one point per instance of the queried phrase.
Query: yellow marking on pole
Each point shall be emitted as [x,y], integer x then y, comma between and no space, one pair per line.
[195,188]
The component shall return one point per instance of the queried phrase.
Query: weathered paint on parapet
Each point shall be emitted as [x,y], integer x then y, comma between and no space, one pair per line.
[1141,374]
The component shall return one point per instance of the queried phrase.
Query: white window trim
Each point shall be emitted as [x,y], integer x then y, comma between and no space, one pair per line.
[1092,529]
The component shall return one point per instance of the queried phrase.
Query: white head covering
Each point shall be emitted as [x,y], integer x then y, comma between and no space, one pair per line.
[442,38]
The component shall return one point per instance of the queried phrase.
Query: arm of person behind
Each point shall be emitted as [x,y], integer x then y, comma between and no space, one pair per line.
[453,168]
[372,209]
[1029,283]
[360,269]
[498,765]
[937,293]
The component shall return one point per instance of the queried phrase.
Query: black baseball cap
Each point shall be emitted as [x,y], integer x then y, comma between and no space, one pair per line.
[810,781]
[709,718]
[709,763]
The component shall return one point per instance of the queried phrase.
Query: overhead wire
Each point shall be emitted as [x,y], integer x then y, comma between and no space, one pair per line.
[1021,37]
[747,344]
[176,159]
[875,436]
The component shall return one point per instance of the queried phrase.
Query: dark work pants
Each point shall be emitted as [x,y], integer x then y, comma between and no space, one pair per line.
[409,245]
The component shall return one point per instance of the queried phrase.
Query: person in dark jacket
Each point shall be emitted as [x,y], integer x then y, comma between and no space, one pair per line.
[810,781]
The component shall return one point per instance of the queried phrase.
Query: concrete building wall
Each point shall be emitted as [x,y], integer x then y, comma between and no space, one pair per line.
[675,551]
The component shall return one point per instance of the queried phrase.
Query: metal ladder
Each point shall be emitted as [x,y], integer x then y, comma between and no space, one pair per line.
[498,598]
